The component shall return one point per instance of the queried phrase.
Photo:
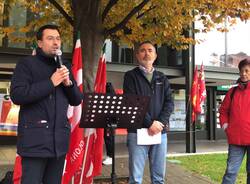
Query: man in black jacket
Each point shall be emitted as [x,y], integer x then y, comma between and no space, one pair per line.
[43,88]
[145,80]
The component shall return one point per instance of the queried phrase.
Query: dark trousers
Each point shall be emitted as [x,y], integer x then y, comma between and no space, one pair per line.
[108,142]
[42,170]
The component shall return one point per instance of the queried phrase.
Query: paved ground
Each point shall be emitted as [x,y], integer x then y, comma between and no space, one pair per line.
[175,173]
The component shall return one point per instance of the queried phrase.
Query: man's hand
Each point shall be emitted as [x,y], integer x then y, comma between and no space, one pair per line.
[155,128]
[61,75]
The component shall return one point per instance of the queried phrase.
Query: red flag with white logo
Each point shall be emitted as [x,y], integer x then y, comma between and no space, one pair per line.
[92,161]
[74,156]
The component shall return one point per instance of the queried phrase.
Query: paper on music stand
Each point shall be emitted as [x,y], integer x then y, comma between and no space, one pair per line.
[143,138]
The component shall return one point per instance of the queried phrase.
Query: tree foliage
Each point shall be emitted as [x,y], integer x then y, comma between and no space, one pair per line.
[127,21]
[124,21]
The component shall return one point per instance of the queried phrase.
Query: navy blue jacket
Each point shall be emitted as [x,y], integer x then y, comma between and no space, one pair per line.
[43,129]
[161,103]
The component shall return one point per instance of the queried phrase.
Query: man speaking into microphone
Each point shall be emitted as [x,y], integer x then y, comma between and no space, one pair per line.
[43,87]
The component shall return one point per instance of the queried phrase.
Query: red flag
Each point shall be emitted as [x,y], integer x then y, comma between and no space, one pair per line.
[92,161]
[119,91]
[100,87]
[101,79]
[17,170]
[74,156]
[18,162]
[202,85]
[195,94]
[198,93]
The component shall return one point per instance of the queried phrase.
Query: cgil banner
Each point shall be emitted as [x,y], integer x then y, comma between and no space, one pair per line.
[8,116]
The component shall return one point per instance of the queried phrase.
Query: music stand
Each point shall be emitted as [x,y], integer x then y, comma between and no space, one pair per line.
[113,111]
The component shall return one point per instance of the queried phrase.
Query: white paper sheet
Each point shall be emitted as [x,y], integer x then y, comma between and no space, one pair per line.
[143,138]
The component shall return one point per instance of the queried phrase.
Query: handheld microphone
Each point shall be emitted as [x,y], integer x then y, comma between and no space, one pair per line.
[59,57]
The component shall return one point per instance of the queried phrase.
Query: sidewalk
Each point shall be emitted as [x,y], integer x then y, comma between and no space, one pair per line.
[175,173]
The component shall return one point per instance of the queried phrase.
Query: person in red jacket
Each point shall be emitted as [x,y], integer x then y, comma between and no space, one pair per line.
[235,120]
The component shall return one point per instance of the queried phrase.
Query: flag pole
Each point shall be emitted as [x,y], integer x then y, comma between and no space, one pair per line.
[188,55]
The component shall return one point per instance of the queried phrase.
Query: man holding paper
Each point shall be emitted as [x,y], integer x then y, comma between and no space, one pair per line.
[150,141]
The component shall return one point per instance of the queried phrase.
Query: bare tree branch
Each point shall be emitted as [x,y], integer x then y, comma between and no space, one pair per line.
[126,19]
[110,4]
[62,11]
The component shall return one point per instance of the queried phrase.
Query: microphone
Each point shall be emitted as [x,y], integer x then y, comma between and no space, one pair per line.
[59,58]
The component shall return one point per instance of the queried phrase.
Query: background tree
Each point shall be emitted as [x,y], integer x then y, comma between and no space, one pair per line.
[126,21]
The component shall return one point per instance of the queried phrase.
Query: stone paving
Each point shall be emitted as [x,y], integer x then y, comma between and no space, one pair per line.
[175,173]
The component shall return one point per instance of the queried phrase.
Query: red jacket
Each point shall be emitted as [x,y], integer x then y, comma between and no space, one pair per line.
[237,115]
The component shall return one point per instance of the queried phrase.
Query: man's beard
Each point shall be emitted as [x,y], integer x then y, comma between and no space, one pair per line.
[147,60]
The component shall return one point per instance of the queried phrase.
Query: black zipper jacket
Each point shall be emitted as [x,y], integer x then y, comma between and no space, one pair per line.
[43,128]
[161,103]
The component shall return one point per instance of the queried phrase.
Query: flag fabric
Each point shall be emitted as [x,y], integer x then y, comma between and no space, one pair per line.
[202,85]
[17,170]
[101,77]
[73,160]
[198,92]
[119,91]
[18,162]
[194,94]
[100,87]
[92,161]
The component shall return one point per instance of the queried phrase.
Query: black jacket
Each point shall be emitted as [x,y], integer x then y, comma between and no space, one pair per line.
[161,103]
[43,129]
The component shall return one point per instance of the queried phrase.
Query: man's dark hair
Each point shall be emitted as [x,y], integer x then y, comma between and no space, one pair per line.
[39,34]
[243,63]
[146,42]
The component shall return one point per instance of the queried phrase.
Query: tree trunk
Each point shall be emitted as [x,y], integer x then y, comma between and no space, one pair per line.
[92,42]
[87,20]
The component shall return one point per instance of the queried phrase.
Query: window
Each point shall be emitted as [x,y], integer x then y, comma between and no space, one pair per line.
[122,54]
[166,55]
[177,121]
[17,17]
